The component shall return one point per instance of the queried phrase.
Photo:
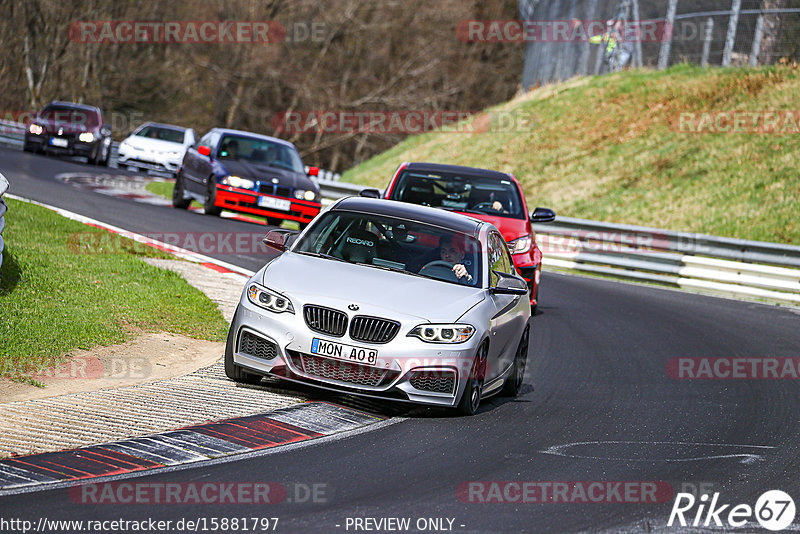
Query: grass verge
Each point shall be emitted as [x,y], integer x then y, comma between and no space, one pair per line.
[611,148]
[64,286]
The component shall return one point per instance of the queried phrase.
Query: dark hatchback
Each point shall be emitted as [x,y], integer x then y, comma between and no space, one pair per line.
[249,173]
[70,129]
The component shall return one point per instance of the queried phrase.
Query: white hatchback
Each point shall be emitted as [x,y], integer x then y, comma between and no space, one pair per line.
[154,146]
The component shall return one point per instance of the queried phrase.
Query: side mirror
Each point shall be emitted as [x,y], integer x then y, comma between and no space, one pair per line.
[369,192]
[106,129]
[509,285]
[313,171]
[280,239]
[204,150]
[543,215]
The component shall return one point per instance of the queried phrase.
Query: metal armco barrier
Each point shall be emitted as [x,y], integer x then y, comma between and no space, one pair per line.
[3,208]
[694,261]
[11,133]
[334,189]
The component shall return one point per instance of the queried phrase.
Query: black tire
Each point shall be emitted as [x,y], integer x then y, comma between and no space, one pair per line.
[236,372]
[94,157]
[536,298]
[473,391]
[179,199]
[514,381]
[211,195]
[107,151]
[27,148]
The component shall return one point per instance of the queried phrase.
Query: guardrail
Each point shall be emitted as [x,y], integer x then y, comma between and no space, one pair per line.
[3,209]
[688,260]
[333,189]
[12,133]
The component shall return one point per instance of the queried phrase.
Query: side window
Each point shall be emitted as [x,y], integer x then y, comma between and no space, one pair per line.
[502,259]
[210,140]
[507,261]
[205,140]
[495,260]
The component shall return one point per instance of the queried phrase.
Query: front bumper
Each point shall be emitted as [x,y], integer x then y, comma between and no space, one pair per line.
[157,161]
[73,147]
[529,266]
[407,369]
[247,201]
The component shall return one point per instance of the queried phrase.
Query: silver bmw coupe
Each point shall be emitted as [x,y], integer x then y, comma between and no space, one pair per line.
[386,299]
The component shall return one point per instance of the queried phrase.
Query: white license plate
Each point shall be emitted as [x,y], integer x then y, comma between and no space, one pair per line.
[342,351]
[58,141]
[274,203]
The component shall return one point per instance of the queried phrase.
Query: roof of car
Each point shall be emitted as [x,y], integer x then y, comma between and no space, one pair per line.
[73,105]
[256,135]
[403,210]
[162,125]
[440,167]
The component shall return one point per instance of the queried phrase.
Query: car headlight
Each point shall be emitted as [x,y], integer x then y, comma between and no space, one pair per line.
[86,137]
[269,300]
[521,245]
[443,333]
[235,181]
[304,194]
[35,129]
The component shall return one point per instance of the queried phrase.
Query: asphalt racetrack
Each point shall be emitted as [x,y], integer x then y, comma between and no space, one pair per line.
[618,415]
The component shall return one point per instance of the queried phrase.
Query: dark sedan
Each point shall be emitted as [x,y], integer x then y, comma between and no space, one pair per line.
[250,173]
[66,128]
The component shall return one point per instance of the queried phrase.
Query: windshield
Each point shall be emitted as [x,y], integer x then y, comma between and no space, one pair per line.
[395,244]
[172,135]
[69,115]
[467,193]
[260,151]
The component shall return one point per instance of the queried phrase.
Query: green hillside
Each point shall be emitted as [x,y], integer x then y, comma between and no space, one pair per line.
[660,149]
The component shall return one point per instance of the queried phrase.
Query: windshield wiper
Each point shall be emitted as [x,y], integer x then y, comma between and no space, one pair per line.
[392,269]
[471,210]
[320,255]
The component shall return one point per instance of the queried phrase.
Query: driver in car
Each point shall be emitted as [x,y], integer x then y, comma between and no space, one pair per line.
[230,150]
[452,251]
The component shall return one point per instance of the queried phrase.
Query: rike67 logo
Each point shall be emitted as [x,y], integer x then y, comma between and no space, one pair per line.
[774,510]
